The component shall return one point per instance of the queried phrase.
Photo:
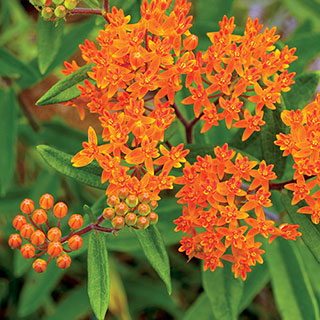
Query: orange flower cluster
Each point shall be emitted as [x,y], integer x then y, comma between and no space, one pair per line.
[225,203]
[303,144]
[40,241]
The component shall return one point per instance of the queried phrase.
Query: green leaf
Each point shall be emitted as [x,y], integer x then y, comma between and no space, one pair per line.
[8,136]
[65,89]
[303,90]
[270,152]
[37,289]
[98,274]
[61,161]
[291,286]
[223,291]
[65,309]
[152,244]
[310,232]
[49,37]
[200,309]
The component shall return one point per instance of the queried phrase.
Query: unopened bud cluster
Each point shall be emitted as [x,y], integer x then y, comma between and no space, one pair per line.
[54,9]
[129,209]
[41,238]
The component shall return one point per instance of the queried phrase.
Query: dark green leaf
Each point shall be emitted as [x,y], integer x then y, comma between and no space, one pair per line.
[49,36]
[224,292]
[152,244]
[200,309]
[302,91]
[65,89]
[270,152]
[98,274]
[37,289]
[291,285]
[310,232]
[61,161]
[8,135]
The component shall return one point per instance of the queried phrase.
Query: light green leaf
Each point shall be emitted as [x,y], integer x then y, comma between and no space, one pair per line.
[8,136]
[310,232]
[200,309]
[291,286]
[302,91]
[61,161]
[49,37]
[270,152]
[224,292]
[152,244]
[37,289]
[98,274]
[66,88]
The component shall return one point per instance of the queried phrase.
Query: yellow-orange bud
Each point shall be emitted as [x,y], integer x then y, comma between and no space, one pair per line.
[38,238]
[27,206]
[144,197]
[131,219]
[108,213]
[64,261]
[123,193]
[39,216]
[118,222]
[28,250]
[153,204]
[75,242]
[54,234]
[60,210]
[19,221]
[75,221]
[26,230]
[153,218]
[55,249]
[46,201]
[132,201]
[113,200]
[15,241]
[39,265]
[121,209]
[70,4]
[143,223]
[190,42]
[47,13]
[144,209]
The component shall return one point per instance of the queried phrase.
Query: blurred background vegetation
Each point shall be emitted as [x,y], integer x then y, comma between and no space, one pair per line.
[136,292]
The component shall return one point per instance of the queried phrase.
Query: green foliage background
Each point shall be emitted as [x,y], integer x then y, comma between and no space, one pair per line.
[286,286]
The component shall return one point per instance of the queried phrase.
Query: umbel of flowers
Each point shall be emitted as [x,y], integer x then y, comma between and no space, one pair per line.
[137,69]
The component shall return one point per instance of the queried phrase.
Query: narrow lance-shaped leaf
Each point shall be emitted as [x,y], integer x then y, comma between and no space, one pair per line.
[98,274]
[153,247]
[61,161]
[49,37]
[223,291]
[310,231]
[65,89]
[291,285]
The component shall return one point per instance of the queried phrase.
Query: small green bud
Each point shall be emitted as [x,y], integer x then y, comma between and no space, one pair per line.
[131,219]
[132,201]
[47,13]
[60,12]
[153,218]
[70,4]
[57,2]
[38,3]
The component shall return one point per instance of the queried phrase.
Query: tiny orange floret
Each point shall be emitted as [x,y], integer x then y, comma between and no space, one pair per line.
[46,201]
[64,261]
[15,241]
[55,249]
[54,234]
[60,210]
[39,216]
[39,266]
[27,206]
[75,242]
[28,251]
[19,221]
[38,238]
[26,231]
[75,221]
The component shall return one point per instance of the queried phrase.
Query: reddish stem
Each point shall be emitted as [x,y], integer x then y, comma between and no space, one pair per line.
[32,222]
[86,11]
[281,185]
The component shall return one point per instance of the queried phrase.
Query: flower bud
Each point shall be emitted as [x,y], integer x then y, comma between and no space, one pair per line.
[121,209]
[60,11]
[57,2]
[39,216]
[118,222]
[54,234]
[108,213]
[75,221]
[64,261]
[60,210]
[28,250]
[143,223]
[153,204]
[55,249]
[38,3]
[15,241]
[38,238]
[153,218]
[112,200]
[144,197]
[19,221]
[27,206]
[26,231]
[132,201]
[190,42]
[70,4]
[131,219]
[75,242]
[47,13]
[39,265]
[144,209]
[46,201]
[123,193]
